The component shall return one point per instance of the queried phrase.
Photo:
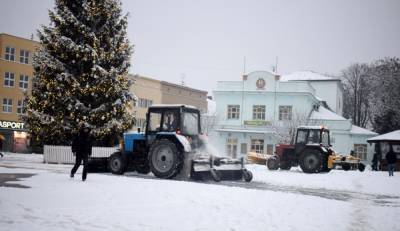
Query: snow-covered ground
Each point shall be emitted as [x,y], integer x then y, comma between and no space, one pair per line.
[275,200]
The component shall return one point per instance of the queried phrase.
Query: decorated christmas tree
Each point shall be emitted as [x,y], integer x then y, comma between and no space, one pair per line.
[81,73]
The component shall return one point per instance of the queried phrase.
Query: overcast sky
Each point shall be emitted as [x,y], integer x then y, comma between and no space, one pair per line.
[206,41]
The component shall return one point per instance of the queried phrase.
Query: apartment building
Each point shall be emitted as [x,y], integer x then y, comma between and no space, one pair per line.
[151,91]
[16,73]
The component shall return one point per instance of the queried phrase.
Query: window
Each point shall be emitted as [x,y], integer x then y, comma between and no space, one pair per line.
[190,123]
[10,54]
[170,121]
[360,150]
[270,149]
[243,148]
[24,56]
[314,137]
[23,81]
[231,147]
[155,122]
[258,112]
[144,103]
[301,137]
[7,105]
[20,107]
[8,79]
[285,112]
[233,111]
[257,145]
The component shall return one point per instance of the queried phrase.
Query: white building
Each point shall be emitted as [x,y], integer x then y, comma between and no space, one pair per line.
[248,112]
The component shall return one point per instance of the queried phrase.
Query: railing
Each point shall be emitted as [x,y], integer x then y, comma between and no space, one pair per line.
[64,155]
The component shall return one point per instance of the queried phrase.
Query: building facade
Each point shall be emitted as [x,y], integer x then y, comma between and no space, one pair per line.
[16,73]
[252,112]
[151,91]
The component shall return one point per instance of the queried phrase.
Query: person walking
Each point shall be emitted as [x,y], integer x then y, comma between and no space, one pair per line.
[391,159]
[82,149]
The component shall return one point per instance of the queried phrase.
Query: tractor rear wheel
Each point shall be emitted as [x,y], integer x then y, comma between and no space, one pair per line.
[272,163]
[117,164]
[165,160]
[311,161]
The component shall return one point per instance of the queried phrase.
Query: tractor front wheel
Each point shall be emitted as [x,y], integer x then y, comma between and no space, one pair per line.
[165,160]
[311,161]
[116,163]
[272,163]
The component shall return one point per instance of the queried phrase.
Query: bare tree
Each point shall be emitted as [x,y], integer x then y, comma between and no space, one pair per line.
[208,122]
[357,93]
[286,129]
[386,95]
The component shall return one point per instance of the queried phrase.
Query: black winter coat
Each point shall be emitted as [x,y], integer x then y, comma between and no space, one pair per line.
[82,143]
[391,157]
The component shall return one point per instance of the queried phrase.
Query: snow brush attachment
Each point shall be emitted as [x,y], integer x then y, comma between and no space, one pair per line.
[219,168]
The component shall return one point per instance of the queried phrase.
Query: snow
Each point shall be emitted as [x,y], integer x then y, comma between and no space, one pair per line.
[391,136]
[275,200]
[305,75]
[358,130]
[325,114]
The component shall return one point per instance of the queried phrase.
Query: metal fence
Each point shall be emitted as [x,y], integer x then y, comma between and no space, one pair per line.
[64,155]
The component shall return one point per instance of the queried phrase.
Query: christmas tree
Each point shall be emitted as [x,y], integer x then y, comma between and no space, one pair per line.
[81,73]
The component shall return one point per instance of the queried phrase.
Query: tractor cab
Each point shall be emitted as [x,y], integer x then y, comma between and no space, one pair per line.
[164,120]
[311,136]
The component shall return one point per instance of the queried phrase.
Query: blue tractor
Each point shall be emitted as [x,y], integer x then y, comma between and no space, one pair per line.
[172,134]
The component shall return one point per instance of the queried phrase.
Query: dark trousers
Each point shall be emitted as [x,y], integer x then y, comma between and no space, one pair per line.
[78,160]
[391,168]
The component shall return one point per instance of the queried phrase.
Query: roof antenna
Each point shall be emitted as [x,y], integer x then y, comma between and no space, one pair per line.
[183,76]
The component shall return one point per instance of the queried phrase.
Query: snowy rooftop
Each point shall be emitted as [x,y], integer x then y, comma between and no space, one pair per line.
[391,136]
[172,105]
[358,130]
[306,75]
[325,114]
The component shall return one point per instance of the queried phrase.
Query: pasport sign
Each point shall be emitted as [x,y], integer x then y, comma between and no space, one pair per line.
[12,125]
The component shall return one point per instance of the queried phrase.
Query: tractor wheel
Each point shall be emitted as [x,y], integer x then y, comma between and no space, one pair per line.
[285,165]
[142,166]
[311,161]
[346,167]
[117,164]
[215,175]
[166,161]
[361,167]
[272,163]
[247,175]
